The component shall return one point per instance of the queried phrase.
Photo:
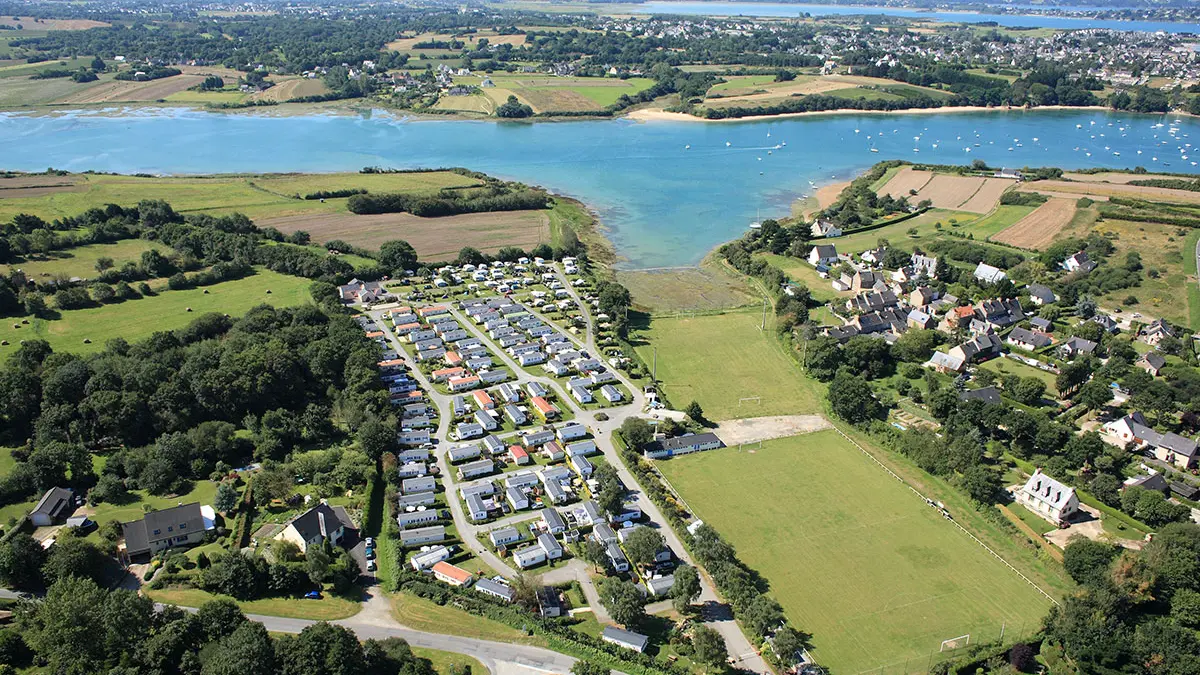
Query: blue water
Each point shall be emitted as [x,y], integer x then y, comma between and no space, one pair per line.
[663,204]
[773,9]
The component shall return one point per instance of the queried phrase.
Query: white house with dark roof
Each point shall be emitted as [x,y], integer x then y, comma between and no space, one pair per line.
[1048,498]
[989,274]
[53,507]
[823,254]
[1169,447]
[315,525]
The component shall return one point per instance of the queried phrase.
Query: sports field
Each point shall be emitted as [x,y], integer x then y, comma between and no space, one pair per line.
[138,319]
[721,358]
[855,558]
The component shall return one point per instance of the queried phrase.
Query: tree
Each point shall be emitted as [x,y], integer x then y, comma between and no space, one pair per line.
[1095,395]
[512,108]
[248,649]
[64,628]
[686,587]
[21,560]
[220,618]
[583,667]
[1087,561]
[852,399]
[397,255]
[1185,608]
[709,646]
[611,494]
[694,411]
[525,589]
[318,564]
[1107,489]
[1022,658]
[624,602]
[470,256]
[789,644]
[376,436]
[981,483]
[320,649]
[593,553]
[643,544]
[227,498]
[1028,390]
[636,432]
[74,557]
[103,263]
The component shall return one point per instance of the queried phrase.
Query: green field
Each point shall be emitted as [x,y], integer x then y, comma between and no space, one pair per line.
[721,358]
[201,491]
[864,94]
[137,319]
[329,608]
[800,271]
[81,260]
[703,288]
[447,662]
[855,558]
[255,196]
[1002,217]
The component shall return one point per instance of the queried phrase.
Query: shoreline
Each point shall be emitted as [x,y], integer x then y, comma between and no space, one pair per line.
[660,115]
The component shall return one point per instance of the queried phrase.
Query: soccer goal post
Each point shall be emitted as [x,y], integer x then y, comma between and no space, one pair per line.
[955,643]
[753,445]
[749,399]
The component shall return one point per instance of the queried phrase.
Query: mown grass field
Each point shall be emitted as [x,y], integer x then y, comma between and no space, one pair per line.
[449,662]
[855,558]
[81,261]
[421,614]
[256,196]
[137,319]
[201,491]
[329,608]
[719,359]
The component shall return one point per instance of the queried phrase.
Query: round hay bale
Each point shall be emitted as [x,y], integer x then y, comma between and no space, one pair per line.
[4,343]
[206,291]
[87,341]
[16,325]
[25,321]
[189,309]
[268,291]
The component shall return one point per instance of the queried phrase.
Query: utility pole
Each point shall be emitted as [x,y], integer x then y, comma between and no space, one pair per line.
[1002,624]
[764,316]
[654,374]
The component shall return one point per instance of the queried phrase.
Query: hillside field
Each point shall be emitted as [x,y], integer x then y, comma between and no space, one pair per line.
[138,319]
[855,558]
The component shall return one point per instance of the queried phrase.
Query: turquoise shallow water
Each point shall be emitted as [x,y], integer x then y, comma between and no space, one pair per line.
[664,203]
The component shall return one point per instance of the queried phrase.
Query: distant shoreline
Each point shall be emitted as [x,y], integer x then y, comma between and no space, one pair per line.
[660,115]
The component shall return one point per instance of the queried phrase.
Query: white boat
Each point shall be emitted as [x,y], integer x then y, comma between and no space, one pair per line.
[687,147]
[874,149]
[727,144]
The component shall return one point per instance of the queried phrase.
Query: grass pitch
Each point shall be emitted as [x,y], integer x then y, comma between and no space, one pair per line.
[722,358]
[855,558]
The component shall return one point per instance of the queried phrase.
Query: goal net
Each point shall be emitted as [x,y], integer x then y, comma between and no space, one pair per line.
[955,643]
[746,400]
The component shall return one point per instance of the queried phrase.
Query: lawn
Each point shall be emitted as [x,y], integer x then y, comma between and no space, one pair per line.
[897,234]
[81,260]
[561,94]
[421,614]
[741,84]
[446,663]
[800,271]
[876,576]
[722,358]
[201,491]
[864,94]
[1012,367]
[329,608]
[137,319]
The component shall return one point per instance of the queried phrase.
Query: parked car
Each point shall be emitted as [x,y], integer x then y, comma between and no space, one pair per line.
[371,566]
[312,595]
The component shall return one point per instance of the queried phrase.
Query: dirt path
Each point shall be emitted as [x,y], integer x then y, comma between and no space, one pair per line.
[755,429]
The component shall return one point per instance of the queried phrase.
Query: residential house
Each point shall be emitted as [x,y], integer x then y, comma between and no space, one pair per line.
[451,574]
[580,465]
[920,319]
[988,274]
[824,254]
[419,484]
[518,455]
[825,228]
[924,265]
[956,318]
[529,556]
[1041,295]
[516,499]
[504,536]
[1000,313]
[1027,339]
[1048,498]
[1169,447]
[408,519]
[1153,332]
[54,507]
[872,301]
[922,296]
[1150,481]
[944,362]
[181,525]
[1075,346]
[978,348]
[1151,363]
[1042,325]
[571,431]
[476,469]
[550,545]
[361,292]
[549,602]
[1080,262]
[553,522]
[989,395]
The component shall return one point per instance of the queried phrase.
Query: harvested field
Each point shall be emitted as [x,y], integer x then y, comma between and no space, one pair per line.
[16,193]
[118,90]
[1116,190]
[37,186]
[409,44]
[1039,228]
[290,89]
[973,194]
[433,238]
[1107,177]
[30,23]
[800,86]
[906,180]
[565,100]
[987,196]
